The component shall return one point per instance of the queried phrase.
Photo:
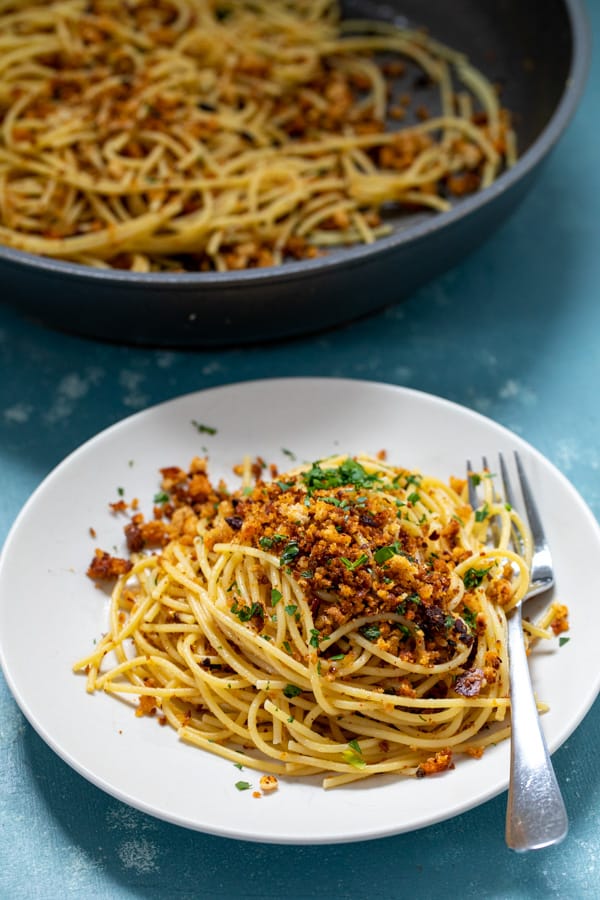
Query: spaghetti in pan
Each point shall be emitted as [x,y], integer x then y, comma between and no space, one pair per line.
[345,619]
[200,135]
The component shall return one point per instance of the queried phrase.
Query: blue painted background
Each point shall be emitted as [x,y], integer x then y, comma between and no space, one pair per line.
[522,318]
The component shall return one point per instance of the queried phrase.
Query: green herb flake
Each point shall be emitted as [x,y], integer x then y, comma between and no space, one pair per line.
[120,491]
[290,552]
[562,641]
[354,759]
[473,577]
[334,501]
[245,613]
[161,497]
[371,632]
[413,498]
[203,429]
[351,565]
[285,485]
[482,514]
[383,554]
[286,646]
[288,453]
[349,472]
[469,618]
[239,766]
[291,609]
[337,657]
[315,637]
[276,596]
[243,785]
[291,690]
[475,479]
[355,746]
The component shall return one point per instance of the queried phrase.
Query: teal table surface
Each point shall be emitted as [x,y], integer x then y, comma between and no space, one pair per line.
[513,332]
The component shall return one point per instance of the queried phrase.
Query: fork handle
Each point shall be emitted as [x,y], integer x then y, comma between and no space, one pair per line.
[536,816]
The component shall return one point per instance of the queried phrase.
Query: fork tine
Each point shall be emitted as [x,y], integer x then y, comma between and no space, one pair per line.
[509,494]
[511,500]
[471,486]
[535,523]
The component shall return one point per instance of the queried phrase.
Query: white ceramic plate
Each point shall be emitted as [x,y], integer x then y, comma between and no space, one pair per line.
[50,613]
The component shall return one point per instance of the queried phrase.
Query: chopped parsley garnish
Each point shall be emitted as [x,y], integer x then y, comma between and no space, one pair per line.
[286,646]
[291,550]
[315,637]
[239,766]
[469,617]
[275,596]
[267,542]
[161,497]
[306,574]
[349,472]
[562,641]
[245,613]
[384,553]
[243,785]
[285,485]
[120,491]
[203,429]
[288,453]
[371,632]
[291,610]
[413,498]
[350,565]
[473,577]
[291,690]
[482,514]
[475,479]
[353,755]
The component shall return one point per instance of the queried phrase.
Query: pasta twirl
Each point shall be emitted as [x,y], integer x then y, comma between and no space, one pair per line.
[346,619]
[203,135]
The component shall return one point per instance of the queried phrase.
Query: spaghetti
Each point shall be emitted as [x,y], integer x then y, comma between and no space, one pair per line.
[204,135]
[346,619]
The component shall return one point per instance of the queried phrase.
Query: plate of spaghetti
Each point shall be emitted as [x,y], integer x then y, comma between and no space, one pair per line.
[261,621]
[192,148]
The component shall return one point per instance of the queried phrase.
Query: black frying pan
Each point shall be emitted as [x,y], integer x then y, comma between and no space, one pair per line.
[538,52]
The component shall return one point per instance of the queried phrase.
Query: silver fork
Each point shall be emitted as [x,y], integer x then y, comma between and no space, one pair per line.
[535,816]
